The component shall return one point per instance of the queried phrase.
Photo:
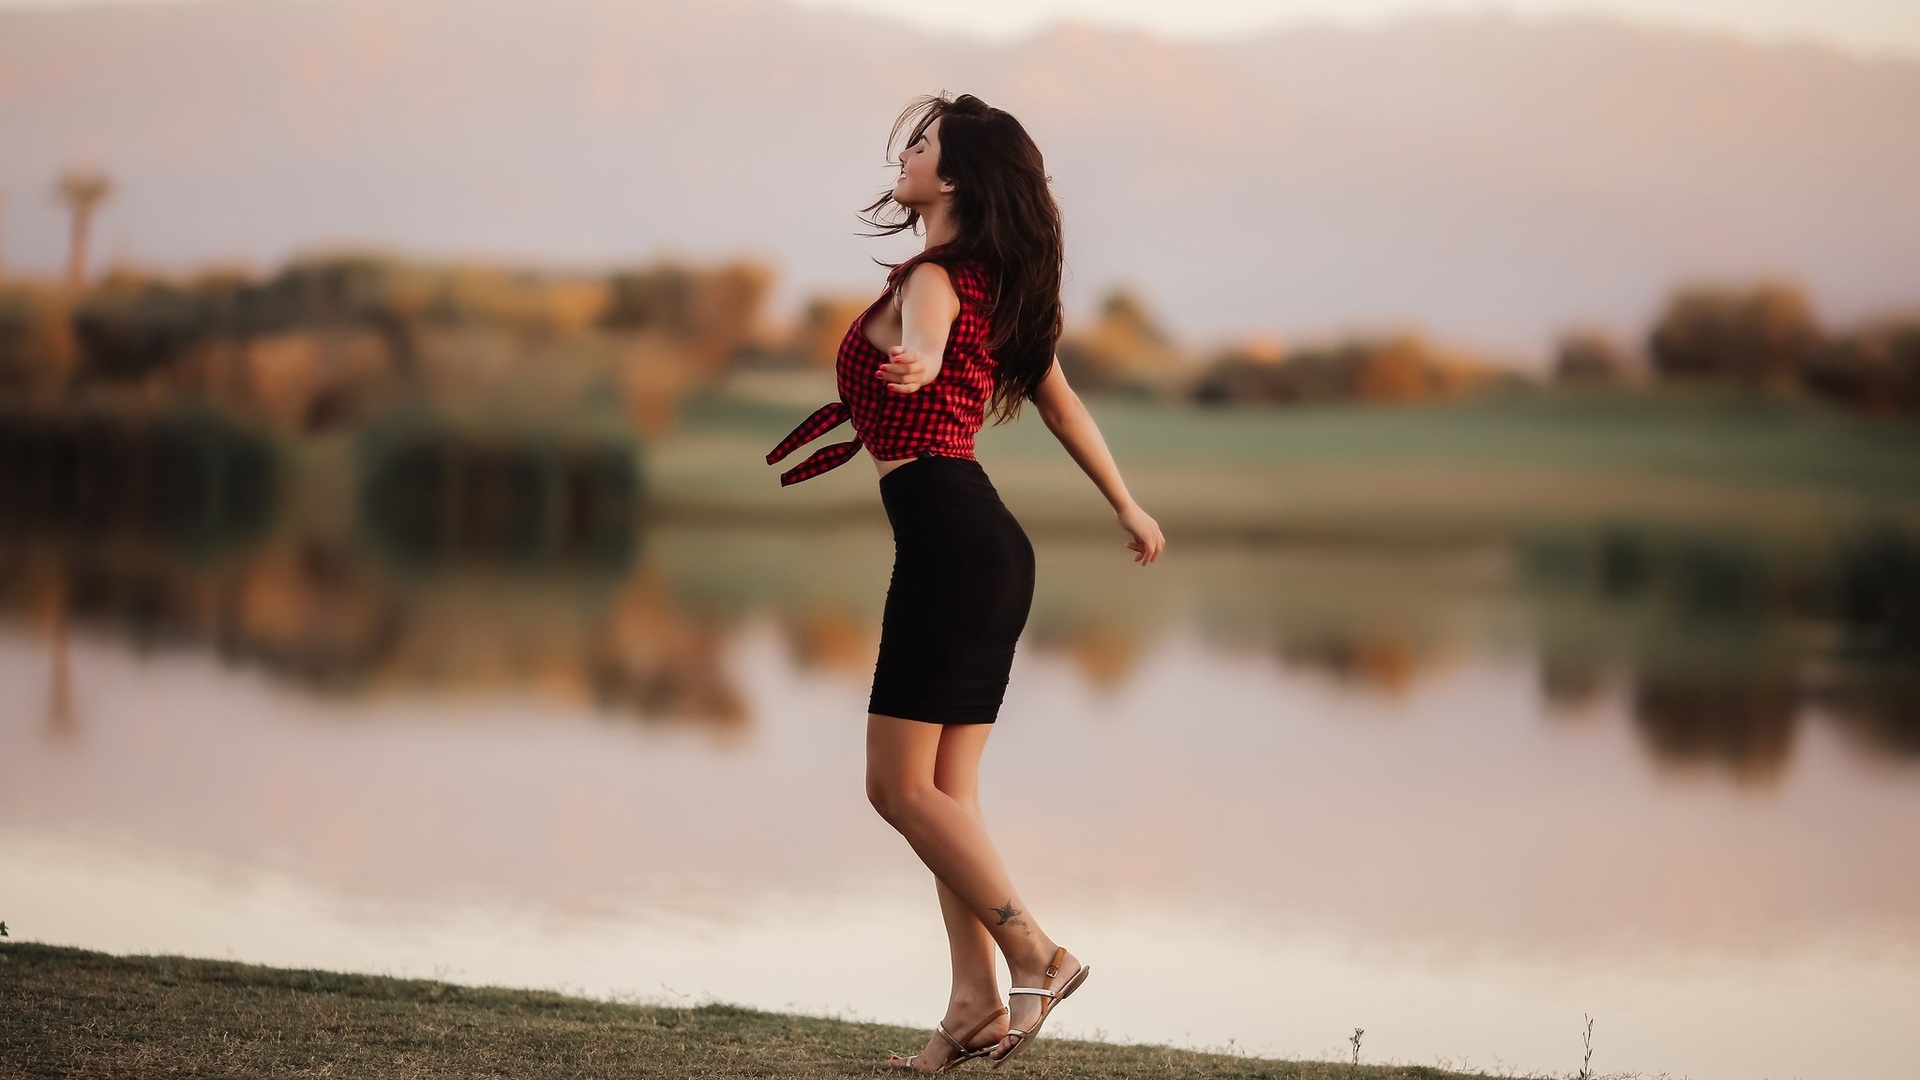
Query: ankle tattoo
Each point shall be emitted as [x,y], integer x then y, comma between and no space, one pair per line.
[1009,914]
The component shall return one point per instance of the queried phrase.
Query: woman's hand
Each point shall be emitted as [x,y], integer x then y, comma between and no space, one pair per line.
[908,370]
[1147,540]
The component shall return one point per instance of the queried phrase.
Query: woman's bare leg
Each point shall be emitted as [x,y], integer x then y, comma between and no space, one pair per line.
[903,770]
[901,759]
[975,992]
[956,771]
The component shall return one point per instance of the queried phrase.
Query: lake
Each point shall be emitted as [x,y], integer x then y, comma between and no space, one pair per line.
[1460,794]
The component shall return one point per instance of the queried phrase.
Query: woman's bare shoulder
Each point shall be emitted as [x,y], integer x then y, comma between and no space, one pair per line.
[929,275]
[930,284]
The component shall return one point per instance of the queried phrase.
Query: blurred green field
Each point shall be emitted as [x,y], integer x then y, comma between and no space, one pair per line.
[1482,468]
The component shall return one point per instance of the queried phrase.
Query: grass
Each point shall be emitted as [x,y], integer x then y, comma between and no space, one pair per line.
[72,1013]
[1476,469]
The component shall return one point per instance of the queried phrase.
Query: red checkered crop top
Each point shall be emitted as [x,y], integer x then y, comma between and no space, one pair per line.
[942,416]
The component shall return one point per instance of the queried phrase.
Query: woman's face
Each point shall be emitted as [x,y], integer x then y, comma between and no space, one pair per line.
[919,184]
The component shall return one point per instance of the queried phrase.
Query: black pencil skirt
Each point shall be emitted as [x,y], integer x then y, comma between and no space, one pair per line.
[961,590]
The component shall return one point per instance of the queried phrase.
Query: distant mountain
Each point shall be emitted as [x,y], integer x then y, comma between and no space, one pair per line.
[1493,179]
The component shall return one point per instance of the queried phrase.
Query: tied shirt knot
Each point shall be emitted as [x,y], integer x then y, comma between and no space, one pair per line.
[824,419]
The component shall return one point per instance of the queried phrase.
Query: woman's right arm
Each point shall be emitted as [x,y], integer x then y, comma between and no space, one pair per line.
[1064,414]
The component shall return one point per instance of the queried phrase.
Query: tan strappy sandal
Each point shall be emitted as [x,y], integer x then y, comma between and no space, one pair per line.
[961,1051]
[1053,997]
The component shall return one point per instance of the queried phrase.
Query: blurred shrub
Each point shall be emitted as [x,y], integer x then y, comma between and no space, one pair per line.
[37,347]
[330,338]
[1398,369]
[312,380]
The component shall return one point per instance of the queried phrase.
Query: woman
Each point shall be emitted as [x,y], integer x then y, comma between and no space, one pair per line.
[965,327]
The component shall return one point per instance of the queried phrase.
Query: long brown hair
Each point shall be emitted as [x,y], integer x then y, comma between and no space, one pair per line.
[1004,216]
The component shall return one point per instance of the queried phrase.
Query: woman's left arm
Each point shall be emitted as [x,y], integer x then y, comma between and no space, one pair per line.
[1064,414]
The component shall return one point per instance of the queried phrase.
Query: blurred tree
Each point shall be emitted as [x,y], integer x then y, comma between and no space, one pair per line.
[708,313]
[1592,358]
[131,327]
[1240,374]
[1124,350]
[1876,368]
[824,322]
[1764,336]
[83,190]
[339,287]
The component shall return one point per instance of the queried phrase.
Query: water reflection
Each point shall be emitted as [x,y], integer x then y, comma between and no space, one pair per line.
[1722,645]
[189,480]
[333,620]
[436,493]
[1729,641]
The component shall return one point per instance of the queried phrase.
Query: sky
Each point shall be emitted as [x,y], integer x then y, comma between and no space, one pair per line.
[1873,26]
[1881,27]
